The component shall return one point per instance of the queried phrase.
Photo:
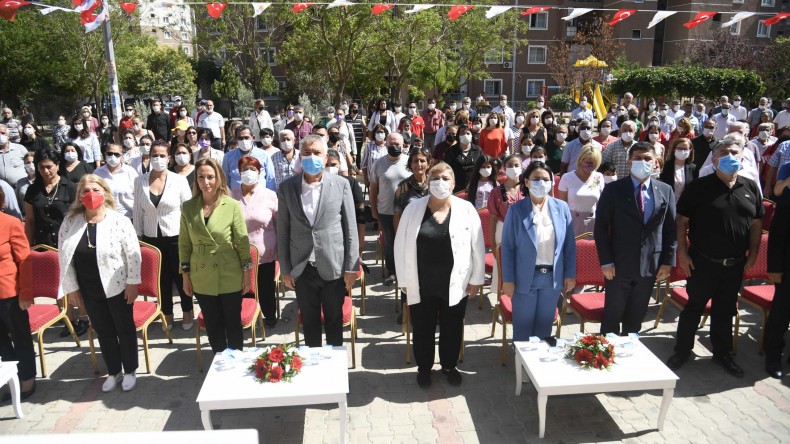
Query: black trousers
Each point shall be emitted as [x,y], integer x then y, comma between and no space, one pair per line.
[168,245]
[222,315]
[778,320]
[113,320]
[424,317]
[625,304]
[16,342]
[314,294]
[720,284]
[267,293]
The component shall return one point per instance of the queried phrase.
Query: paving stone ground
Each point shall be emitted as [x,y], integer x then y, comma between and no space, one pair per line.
[387,406]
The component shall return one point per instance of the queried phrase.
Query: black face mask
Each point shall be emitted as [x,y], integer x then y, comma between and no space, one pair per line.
[354,110]
[451,138]
[394,150]
[334,137]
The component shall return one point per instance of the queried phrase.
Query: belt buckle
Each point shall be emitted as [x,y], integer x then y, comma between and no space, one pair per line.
[729,262]
[543,270]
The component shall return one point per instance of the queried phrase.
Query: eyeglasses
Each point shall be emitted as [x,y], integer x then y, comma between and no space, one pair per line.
[113,154]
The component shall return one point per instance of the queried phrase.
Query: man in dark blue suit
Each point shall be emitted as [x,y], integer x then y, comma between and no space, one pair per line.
[635,234]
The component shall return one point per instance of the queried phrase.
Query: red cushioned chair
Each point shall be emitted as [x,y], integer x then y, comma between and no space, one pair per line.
[279,287]
[587,305]
[556,188]
[145,311]
[503,310]
[250,311]
[361,279]
[45,283]
[462,194]
[485,222]
[380,250]
[770,208]
[349,320]
[759,296]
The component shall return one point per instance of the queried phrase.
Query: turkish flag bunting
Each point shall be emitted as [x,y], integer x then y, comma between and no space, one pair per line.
[621,15]
[128,7]
[457,11]
[215,9]
[381,7]
[76,2]
[8,8]
[87,16]
[777,18]
[701,17]
[536,9]
[299,7]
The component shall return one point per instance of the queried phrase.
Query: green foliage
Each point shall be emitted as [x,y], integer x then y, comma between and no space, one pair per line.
[141,110]
[161,71]
[228,86]
[310,110]
[688,81]
[560,102]
[621,63]
[776,70]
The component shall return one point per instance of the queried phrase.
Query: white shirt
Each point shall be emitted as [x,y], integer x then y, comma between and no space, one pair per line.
[680,180]
[91,150]
[585,114]
[213,121]
[510,115]
[167,215]
[311,194]
[121,183]
[259,121]
[544,234]
[722,124]
[782,119]
[582,196]
[483,192]
[739,112]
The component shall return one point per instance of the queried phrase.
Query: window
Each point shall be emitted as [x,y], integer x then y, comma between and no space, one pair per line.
[168,35]
[539,21]
[185,49]
[636,34]
[536,55]
[281,85]
[184,36]
[763,30]
[492,87]
[737,2]
[261,25]
[767,3]
[269,53]
[535,87]
[494,56]
[716,18]
[735,29]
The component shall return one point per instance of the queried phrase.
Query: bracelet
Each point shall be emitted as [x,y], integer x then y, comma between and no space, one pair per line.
[247,265]
[185,267]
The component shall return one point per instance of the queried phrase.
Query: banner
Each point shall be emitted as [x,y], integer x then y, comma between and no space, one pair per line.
[659,17]
[457,11]
[700,18]
[621,15]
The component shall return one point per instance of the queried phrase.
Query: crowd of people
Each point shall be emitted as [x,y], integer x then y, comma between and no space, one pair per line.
[657,187]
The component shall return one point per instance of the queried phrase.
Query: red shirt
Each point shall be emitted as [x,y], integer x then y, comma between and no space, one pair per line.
[173,116]
[124,124]
[417,125]
[492,141]
[433,119]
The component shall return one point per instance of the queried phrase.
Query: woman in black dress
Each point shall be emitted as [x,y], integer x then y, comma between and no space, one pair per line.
[73,166]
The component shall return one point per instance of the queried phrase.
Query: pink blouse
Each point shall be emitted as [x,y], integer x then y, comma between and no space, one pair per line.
[260,213]
[499,208]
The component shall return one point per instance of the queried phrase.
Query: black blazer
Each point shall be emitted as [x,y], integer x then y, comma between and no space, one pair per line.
[668,174]
[636,249]
[779,237]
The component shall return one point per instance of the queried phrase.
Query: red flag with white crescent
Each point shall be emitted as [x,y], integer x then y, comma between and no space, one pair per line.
[215,9]
[381,7]
[299,7]
[536,9]
[128,7]
[621,15]
[701,17]
[458,11]
[8,8]
[777,18]
[87,15]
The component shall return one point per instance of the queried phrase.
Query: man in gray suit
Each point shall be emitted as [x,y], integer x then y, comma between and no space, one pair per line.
[317,242]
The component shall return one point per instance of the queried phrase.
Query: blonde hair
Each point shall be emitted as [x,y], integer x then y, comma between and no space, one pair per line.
[222,182]
[589,152]
[440,167]
[534,113]
[78,208]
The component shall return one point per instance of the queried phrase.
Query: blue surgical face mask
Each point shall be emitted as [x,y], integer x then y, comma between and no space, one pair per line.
[729,164]
[539,188]
[641,169]
[312,165]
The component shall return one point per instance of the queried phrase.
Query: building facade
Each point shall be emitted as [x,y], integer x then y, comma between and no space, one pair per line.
[172,24]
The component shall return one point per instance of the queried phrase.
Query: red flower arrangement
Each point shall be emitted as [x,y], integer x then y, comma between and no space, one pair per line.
[275,364]
[592,351]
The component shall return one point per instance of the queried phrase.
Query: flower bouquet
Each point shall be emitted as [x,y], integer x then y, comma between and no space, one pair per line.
[277,363]
[592,351]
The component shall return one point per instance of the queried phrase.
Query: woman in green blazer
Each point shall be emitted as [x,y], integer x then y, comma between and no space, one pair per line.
[214,252]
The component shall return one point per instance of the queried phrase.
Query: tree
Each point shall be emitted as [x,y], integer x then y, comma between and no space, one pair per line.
[776,68]
[688,81]
[593,37]
[724,50]
[161,71]
[228,85]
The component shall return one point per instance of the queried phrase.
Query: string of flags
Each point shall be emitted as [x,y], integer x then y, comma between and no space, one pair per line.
[92,19]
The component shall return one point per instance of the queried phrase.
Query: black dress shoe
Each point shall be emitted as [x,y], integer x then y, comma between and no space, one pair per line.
[774,370]
[453,376]
[424,380]
[728,363]
[677,360]
[81,327]
[270,323]
[22,395]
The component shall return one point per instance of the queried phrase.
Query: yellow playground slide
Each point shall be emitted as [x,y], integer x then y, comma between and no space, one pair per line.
[597,103]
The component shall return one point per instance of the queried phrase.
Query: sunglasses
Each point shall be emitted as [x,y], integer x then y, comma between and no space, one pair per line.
[192,132]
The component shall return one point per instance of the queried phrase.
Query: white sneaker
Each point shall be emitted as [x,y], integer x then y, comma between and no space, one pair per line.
[111,382]
[129,381]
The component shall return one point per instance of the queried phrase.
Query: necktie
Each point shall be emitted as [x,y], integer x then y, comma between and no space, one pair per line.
[640,202]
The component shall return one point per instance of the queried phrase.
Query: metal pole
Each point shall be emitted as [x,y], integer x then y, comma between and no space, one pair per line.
[513,68]
[112,74]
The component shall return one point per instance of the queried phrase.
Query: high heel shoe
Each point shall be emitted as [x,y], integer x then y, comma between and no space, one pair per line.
[22,395]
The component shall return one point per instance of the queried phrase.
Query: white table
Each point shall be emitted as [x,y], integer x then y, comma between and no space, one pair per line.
[641,371]
[238,436]
[8,376]
[325,383]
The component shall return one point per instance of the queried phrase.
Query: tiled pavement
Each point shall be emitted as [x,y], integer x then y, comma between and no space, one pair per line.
[386,405]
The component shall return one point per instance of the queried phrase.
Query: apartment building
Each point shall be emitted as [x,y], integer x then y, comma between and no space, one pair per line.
[171,23]
[525,76]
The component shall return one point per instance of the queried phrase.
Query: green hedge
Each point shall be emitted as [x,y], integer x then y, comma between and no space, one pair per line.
[688,81]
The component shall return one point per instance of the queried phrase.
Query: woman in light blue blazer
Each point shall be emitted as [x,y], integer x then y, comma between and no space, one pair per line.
[538,254]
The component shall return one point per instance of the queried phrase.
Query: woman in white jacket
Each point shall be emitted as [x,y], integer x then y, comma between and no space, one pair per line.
[439,260]
[99,258]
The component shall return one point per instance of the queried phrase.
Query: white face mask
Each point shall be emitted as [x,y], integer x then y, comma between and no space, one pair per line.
[526,149]
[105,121]
[61,122]
[708,132]
[548,121]
[128,113]
[561,137]
[609,179]
[145,149]
[440,189]
[653,137]
[765,135]
[539,188]
[737,103]
[249,177]
[466,106]
[585,134]
[539,104]
[266,141]
[128,143]
[245,145]
[332,169]
[412,111]
[583,104]
[513,172]
[3,139]
[627,137]
[30,168]
[682,154]
[605,131]
[453,108]
[493,121]
[534,120]
[156,109]
[78,127]
[30,131]
[70,156]
[287,145]
[519,119]
[431,106]
[465,139]
[503,103]
[137,127]
[112,161]
[298,116]
[159,163]
[380,137]
[675,108]
[182,159]
[485,172]
[183,113]
[86,115]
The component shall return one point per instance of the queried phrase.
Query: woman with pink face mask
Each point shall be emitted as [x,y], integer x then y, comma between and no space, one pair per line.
[104,244]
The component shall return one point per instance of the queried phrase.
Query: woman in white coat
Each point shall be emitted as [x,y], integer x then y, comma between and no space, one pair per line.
[104,244]
[440,260]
